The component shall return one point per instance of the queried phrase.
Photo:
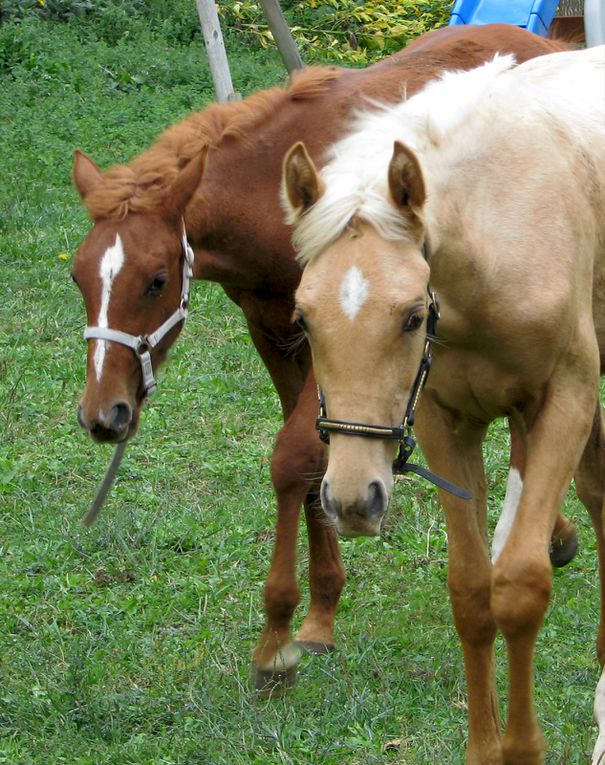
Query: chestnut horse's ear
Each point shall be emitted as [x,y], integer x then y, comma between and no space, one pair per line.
[301,184]
[86,173]
[406,183]
[186,183]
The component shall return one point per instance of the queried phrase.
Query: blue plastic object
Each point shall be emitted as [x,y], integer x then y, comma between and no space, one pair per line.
[533,15]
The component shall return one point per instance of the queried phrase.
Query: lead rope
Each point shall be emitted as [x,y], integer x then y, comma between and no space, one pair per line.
[142,347]
[105,485]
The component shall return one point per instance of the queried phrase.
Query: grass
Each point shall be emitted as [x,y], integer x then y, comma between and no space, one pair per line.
[130,643]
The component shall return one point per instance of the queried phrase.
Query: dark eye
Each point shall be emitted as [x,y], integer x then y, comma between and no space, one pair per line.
[157,285]
[413,322]
[299,319]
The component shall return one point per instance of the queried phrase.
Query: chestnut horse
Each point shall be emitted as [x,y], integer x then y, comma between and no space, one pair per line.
[472,215]
[131,272]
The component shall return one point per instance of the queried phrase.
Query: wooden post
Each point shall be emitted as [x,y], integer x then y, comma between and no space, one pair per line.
[594,22]
[217,56]
[285,42]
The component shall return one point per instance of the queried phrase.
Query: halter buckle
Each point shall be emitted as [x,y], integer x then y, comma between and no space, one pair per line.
[434,304]
[143,346]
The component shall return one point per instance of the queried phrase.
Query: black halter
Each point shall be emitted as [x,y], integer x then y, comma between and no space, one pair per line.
[402,433]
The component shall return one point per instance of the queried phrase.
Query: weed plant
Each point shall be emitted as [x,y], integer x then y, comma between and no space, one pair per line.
[129,644]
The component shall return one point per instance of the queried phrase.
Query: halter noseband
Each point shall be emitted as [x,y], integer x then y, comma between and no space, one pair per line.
[142,345]
[402,433]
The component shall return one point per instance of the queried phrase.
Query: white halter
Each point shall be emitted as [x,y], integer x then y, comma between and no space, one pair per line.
[142,345]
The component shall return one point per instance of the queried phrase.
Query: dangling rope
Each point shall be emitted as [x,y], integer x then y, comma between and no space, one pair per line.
[97,503]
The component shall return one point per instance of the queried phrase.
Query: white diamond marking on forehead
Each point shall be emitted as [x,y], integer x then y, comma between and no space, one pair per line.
[353,292]
[111,264]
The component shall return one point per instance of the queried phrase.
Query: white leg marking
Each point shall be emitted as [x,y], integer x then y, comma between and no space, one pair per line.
[111,264]
[286,657]
[353,292]
[598,754]
[514,487]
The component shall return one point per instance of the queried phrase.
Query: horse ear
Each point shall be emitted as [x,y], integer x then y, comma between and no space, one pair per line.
[301,184]
[86,173]
[186,183]
[406,183]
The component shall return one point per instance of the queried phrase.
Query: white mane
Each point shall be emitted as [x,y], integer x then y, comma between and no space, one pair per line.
[448,115]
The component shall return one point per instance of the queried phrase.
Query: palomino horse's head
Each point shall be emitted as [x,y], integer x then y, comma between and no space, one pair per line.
[363,304]
[133,270]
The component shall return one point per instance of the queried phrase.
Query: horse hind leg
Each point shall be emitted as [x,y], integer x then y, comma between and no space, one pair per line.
[564,539]
[563,542]
[590,487]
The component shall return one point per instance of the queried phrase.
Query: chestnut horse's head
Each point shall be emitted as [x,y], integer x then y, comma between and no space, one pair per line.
[133,271]
[363,304]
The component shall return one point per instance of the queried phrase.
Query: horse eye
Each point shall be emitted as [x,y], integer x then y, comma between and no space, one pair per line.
[157,285]
[299,319]
[414,322]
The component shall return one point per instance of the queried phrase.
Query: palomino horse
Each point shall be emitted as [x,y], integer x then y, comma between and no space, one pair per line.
[130,272]
[483,195]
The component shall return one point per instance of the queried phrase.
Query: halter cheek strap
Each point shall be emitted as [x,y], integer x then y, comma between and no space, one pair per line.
[403,434]
[142,345]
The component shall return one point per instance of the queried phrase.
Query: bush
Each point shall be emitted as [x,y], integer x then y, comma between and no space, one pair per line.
[347,31]
[111,20]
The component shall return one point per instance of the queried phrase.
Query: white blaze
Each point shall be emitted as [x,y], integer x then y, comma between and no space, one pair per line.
[353,292]
[514,487]
[111,264]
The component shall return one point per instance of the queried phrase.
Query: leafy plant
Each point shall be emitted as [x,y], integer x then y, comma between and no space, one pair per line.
[348,31]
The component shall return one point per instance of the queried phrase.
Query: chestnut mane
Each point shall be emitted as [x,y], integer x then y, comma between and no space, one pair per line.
[140,186]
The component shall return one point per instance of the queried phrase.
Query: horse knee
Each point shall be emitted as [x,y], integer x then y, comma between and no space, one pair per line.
[520,595]
[281,599]
[472,613]
[296,459]
[329,583]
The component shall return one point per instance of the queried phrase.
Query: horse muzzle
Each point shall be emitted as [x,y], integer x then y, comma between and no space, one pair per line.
[110,425]
[357,516]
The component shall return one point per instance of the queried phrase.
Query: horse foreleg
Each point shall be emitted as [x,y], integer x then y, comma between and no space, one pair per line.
[522,578]
[326,572]
[327,579]
[276,656]
[590,487]
[296,471]
[453,450]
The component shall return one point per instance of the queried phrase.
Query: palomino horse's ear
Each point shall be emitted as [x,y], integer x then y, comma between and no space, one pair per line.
[406,183]
[186,183]
[86,173]
[301,184]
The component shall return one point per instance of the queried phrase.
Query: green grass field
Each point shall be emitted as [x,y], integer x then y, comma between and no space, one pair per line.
[130,643]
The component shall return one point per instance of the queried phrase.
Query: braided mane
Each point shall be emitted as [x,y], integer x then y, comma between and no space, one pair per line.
[140,185]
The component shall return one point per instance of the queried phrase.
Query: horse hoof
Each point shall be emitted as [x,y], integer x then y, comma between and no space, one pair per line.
[272,684]
[562,551]
[308,646]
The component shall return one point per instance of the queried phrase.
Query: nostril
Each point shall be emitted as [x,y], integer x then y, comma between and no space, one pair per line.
[120,416]
[377,499]
[329,506]
[80,417]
